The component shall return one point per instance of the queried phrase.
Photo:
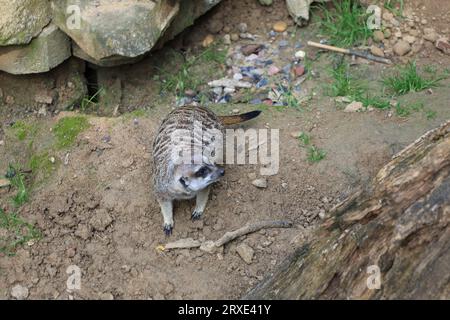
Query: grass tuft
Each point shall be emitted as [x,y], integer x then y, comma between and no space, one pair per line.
[315,154]
[67,130]
[407,79]
[345,26]
[17,180]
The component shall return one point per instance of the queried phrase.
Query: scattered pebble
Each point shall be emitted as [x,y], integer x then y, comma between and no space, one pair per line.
[322,214]
[300,54]
[209,39]
[378,36]
[299,70]
[401,48]
[234,37]
[101,220]
[273,70]
[242,27]
[354,107]
[260,183]
[280,26]
[19,292]
[377,51]
[443,45]
[251,48]
[227,39]
[245,252]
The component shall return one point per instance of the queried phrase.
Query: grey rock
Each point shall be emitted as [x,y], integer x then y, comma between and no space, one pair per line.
[19,292]
[245,252]
[22,20]
[42,54]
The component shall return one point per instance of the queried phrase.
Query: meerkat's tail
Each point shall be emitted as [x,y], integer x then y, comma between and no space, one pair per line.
[230,120]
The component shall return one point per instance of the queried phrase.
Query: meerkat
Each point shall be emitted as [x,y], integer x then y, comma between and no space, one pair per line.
[175,180]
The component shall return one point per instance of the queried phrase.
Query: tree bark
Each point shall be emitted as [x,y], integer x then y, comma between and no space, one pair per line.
[399,227]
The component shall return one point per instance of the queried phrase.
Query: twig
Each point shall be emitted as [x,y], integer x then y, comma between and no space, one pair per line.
[227,237]
[364,55]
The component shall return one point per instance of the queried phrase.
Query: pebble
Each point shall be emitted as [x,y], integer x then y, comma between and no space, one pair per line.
[242,27]
[299,70]
[234,37]
[4,183]
[227,39]
[251,49]
[353,107]
[235,110]
[376,51]
[209,39]
[300,54]
[387,33]
[19,292]
[260,183]
[322,214]
[280,26]
[378,36]
[245,252]
[409,39]
[401,48]
[443,45]
[273,70]
[101,220]
[430,35]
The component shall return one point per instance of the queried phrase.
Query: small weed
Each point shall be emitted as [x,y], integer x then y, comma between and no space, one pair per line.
[17,232]
[430,114]
[41,166]
[305,138]
[408,79]
[67,130]
[395,6]
[401,111]
[315,154]
[18,181]
[23,130]
[346,25]
[373,101]
[92,101]
[343,83]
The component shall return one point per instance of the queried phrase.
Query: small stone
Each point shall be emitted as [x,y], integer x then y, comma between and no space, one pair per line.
[443,45]
[251,48]
[252,176]
[353,107]
[299,70]
[300,54]
[378,36]
[273,70]
[424,21]
[83,231]
[409,39]
[209,39]
[9,100]
[398,34]
[280,26]
[245,252]
[52,160]
[235,111]
[430,35]
[242,27]
[227,39]
[260,183]
[234,37]
[388,16]
[401,48]
[226,29]
[71,252]
[387,33]
[322,214]
[376,51]
[19,292]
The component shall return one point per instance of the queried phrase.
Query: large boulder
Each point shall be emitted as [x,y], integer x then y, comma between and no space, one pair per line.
[22,20]
[42,54]
[114,29]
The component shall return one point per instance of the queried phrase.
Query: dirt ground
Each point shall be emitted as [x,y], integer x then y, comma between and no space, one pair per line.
[96,209]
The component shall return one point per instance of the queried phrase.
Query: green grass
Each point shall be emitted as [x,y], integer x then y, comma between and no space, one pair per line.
[17,180]
[23,130]
[395,6]
[343,85]
[92,101]
[67,130]
[345,25]
[315,154]
[407,79]
[305,138]
[188,76]
[16,232]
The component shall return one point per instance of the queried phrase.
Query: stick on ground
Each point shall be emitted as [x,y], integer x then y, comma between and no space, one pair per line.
[229,236]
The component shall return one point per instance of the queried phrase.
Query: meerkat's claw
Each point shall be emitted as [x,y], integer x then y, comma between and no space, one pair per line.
[196,215]
[168,229]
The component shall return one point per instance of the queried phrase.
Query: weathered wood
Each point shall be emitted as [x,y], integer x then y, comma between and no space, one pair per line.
[400,225]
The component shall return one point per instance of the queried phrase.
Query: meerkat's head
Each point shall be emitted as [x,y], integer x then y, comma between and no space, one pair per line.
[195,177]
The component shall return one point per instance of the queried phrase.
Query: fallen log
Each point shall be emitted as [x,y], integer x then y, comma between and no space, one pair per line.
[390,241]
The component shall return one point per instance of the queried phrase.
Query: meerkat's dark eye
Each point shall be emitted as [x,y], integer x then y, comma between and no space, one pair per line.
[183,182]
[202,172]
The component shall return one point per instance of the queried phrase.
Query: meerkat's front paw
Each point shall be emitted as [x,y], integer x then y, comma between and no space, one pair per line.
[168,229]
[196,215]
